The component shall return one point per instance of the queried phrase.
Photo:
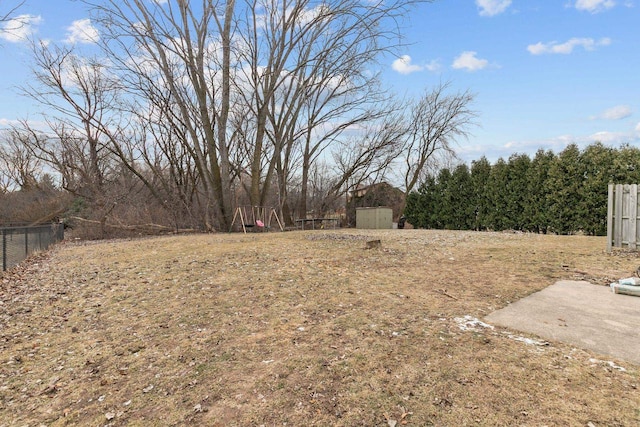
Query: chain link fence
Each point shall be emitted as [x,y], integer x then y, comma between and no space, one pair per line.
[19,242]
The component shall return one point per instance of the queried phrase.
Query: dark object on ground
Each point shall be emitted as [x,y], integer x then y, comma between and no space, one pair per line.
[374,244]
[401,222]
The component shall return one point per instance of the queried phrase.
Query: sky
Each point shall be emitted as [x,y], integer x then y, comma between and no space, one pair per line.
[545,73]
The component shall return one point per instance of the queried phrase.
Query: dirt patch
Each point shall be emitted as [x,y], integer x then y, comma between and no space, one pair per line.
[303,328]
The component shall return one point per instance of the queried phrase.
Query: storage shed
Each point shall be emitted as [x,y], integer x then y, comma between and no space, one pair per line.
[374,218]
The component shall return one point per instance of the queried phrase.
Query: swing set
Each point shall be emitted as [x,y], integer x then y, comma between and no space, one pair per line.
[255,218]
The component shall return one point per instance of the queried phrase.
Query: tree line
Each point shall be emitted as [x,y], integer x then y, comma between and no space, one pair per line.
[185,110]
[561,193]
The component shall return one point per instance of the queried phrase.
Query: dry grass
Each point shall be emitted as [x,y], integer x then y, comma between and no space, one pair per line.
[301,328]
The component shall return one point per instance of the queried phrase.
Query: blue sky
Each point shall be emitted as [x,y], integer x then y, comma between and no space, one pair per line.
[546,73]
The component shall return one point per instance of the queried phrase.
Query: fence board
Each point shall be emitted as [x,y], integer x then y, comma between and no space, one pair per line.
[610,218]
[622,216]
[632,235]
[617,215]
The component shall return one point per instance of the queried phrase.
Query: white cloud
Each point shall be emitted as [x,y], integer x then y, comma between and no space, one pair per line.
[558,143]
[618,112]
[470,152]
[308,15]
[594,6]
[20,28]
[607,137]
[468,61]
[301,17]
[81,31]
[403,65]
[8,122]
[492,7]
[568,46]
[434,66]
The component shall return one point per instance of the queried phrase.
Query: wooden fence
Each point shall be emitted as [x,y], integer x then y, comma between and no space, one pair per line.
[622,217]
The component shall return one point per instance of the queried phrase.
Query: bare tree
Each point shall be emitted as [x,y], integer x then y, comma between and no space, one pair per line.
[367,156]
[6,183]
[320,199]
[8,15]
[195,100]
[173,174]
[185,55]
[249,82]
[309,69]
[77,142]
[436,120]
[19,168]
[416,136]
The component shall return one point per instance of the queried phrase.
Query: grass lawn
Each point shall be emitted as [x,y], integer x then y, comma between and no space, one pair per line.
[301,329]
